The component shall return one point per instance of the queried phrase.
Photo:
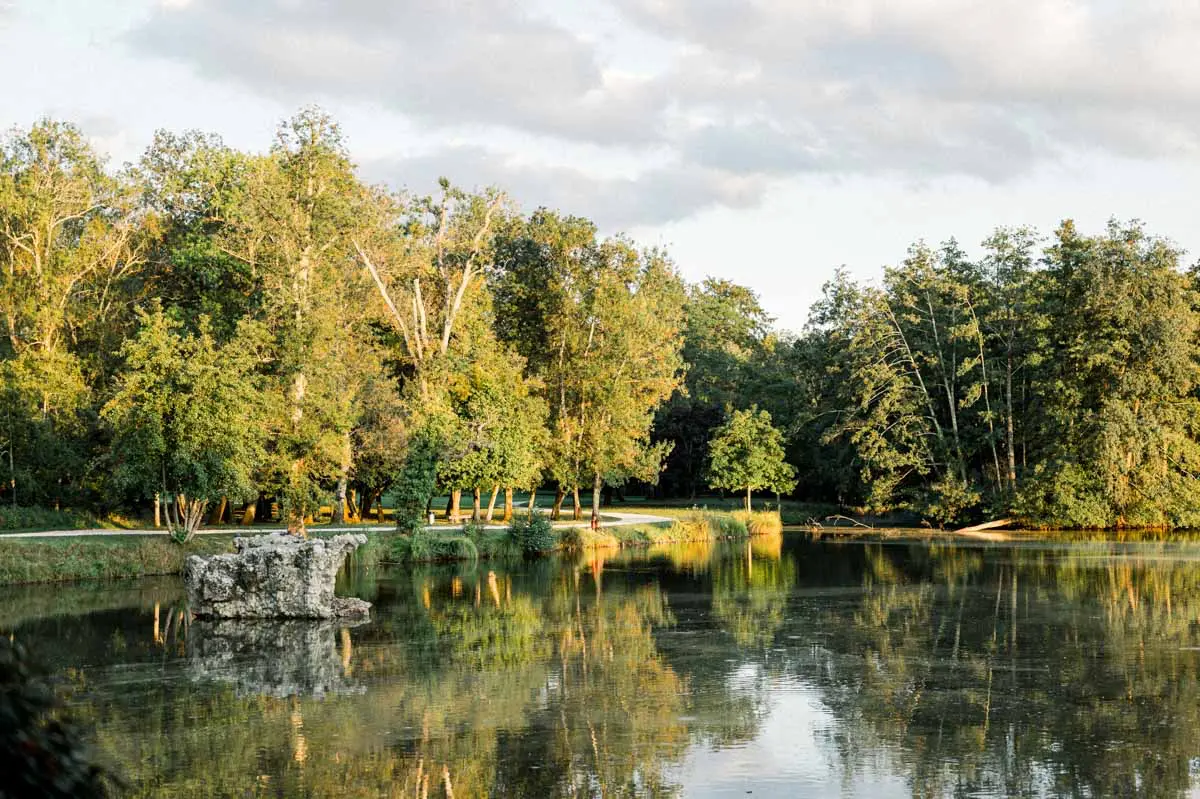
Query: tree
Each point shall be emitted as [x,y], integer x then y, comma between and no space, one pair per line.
[70,243]
[599,323]
[746,453]
[293,222]
[186,418]
[726,347]
[427,258]
[499,423]
[1117,395]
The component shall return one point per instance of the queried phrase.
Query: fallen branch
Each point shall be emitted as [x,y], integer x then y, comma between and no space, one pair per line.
[854,522]
[992,525]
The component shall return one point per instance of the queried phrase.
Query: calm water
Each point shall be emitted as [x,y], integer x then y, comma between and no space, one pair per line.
[782,668]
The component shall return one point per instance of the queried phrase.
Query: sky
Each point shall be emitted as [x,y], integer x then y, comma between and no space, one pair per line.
[763,141]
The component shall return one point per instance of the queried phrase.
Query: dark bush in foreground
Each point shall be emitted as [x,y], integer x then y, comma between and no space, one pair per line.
[41,753]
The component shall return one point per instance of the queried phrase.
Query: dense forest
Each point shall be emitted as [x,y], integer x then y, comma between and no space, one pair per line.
[220,327]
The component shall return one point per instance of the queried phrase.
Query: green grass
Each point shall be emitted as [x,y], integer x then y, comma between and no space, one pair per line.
[46,560]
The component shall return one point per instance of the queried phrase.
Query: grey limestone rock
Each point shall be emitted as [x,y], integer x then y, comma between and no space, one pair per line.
[275,576]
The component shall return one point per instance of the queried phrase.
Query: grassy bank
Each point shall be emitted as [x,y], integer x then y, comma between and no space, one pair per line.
[46,560]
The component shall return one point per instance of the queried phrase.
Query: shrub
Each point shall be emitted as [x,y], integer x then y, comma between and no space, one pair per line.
[473,529]
[533,533]
[433,546]
[45,519]
[414,485]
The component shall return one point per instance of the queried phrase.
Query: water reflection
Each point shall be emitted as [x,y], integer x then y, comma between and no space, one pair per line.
[783,667]
[273,658]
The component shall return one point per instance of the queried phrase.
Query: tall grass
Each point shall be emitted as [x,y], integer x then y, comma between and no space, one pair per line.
[760,522]
[57,559]
[429,546]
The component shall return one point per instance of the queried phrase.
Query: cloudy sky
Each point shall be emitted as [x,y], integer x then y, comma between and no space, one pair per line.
[767,141]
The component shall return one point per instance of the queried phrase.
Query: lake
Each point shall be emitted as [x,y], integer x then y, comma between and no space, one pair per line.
[783,667]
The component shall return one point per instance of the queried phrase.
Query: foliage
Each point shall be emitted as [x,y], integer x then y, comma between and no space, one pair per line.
[746,453]
[45,519]
[320,326]
[415,484]
[599,323]
[180,417]
[42,752]
[533,533]
[727,350]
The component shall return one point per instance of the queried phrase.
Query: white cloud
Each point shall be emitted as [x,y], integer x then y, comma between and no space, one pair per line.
[741,93]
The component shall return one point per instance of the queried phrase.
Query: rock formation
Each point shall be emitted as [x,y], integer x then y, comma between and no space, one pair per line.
[275,576]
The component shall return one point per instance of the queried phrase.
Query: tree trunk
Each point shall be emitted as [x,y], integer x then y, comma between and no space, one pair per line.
[748,503]
[452,512]
[189,513]
[12,469]
[263,511]
[597,489]
[559,495]
[532,499]
[352,505]
[218,514]
[492,502]
[379,509]
[248,514]
[157,510]
[337,514]
[475,505]
[1009,437]
[508,504]
[368,498]
[577,511]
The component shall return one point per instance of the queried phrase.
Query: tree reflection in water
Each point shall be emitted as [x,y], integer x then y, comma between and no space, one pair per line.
[1015,670]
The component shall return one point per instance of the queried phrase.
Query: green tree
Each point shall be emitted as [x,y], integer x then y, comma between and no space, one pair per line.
[599,323]
[186,417]
[746,453]
[70,244]
[727,345]
[293,222]
[1117,395]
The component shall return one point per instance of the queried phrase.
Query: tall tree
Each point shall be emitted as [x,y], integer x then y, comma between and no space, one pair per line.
[1117,394]
[601,323]
[727,349]
[69,242]
[293,223]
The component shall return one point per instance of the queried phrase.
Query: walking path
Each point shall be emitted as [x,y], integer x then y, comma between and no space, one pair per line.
[608,519]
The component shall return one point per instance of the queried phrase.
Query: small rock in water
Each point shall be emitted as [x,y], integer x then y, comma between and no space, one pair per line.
[273,576]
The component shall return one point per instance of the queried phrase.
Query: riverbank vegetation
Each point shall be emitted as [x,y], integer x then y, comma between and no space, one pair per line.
[210,336]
